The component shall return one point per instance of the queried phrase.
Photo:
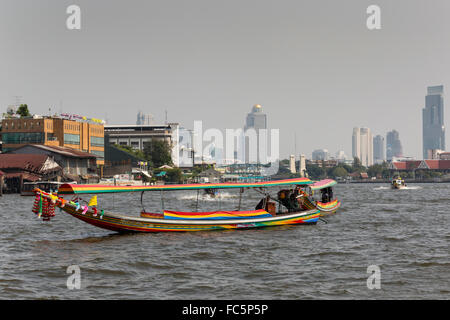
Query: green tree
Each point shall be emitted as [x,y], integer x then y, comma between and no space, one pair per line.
[339,172]
[158,152]
[174,175]
[374,170]
[23,111]
[315,172]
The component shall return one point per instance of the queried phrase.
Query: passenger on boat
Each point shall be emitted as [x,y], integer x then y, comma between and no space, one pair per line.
[288,198]
[325,195]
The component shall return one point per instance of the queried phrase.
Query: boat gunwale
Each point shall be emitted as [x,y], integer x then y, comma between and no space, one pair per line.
[205,221]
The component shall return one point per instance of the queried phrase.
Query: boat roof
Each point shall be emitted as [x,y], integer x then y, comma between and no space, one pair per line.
[96,188]
[322,184]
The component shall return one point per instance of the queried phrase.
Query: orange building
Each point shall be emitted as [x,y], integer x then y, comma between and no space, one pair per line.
[85,136]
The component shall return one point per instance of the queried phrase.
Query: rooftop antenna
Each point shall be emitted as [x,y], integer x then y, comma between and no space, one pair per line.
[166,117]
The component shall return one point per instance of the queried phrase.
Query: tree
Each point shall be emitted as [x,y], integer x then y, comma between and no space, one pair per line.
[174,175]
[315,172]
[23,111]
[158,152]
[339,172]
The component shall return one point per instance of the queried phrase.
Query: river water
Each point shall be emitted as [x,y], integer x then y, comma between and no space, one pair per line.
[405,233]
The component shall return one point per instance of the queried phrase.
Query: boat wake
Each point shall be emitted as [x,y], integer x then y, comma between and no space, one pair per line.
[405,188]
[412,188]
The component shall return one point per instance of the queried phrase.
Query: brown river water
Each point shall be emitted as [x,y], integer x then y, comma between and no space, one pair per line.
[404,232]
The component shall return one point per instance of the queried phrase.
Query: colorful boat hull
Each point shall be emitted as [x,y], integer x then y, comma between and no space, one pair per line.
[122,223]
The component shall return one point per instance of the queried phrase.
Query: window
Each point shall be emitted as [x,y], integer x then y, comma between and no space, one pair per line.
[97,141]
[71,138]
[101,154]
[22,137]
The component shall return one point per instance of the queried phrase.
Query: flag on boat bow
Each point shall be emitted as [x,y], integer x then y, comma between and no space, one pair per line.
[93,201]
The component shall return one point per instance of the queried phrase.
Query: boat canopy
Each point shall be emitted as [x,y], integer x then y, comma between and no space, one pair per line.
[322,184]
[95,188]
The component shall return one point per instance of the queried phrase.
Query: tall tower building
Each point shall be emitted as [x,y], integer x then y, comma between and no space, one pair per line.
[302,166]
[362,146]
[144,119]
[393,145]
[255,120]
[433,129]
[292,163]
[378,149]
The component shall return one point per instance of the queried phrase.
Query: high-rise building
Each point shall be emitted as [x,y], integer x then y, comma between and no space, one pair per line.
[255,121]
[320,154]
[393,145]
[341,156]
[378,149]
[144,119]
[433,129]
[362,145]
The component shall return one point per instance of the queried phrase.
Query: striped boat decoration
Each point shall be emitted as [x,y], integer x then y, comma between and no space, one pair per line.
[122,223]
[323,184]
[217,215]
[92,188]
[329,206]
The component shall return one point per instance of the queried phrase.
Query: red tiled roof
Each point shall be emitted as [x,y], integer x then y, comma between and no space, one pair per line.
[400,165]
[438,164]
[406,165]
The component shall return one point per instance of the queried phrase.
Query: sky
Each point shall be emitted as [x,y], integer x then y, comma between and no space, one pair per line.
[314,66]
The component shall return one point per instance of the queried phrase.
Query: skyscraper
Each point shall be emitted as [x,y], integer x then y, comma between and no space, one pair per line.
[378,149]
[320,154]
[393,145]
[255,120]
[144,119]
[362,145]
[433,130]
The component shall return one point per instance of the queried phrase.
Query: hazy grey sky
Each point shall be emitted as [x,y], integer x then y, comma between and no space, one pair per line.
[313,65]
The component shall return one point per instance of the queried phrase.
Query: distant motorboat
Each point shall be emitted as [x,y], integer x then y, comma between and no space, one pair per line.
[398,183]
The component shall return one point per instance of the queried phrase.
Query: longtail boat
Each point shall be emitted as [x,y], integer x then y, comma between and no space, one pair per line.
[294,207]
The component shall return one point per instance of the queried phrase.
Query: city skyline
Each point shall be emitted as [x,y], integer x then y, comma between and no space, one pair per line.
[312,66]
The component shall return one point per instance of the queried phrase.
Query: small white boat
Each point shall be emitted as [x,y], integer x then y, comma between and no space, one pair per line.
[398,183]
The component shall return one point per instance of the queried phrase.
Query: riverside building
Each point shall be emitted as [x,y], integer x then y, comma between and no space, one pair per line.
[86,135]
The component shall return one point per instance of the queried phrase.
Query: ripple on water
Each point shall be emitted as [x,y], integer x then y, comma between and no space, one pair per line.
[405,233]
